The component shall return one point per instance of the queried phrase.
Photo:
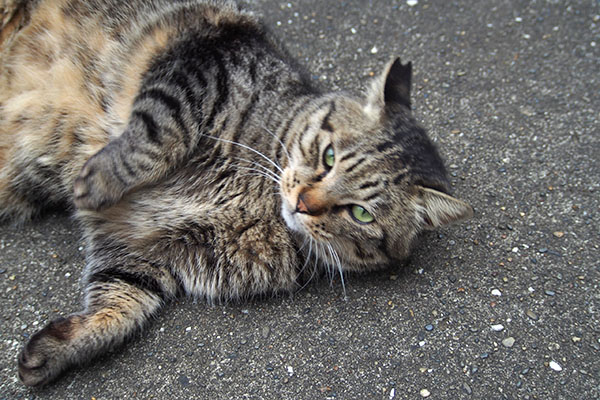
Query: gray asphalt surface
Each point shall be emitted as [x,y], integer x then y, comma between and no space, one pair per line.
[511,93]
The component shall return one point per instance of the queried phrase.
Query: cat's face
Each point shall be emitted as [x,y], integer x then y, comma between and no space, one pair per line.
[359,180]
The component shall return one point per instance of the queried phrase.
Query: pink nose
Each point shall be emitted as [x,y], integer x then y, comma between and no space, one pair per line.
[301,206]
[309,203]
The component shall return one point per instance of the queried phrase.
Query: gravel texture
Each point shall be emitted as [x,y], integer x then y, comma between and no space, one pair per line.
[510,91]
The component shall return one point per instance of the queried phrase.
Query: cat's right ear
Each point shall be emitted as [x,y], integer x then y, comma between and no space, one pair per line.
[391,89]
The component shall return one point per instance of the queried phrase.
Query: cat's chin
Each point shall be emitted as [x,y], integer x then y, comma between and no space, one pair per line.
[290,220]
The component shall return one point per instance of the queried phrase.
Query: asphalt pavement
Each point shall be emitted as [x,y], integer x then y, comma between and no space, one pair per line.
[505,306]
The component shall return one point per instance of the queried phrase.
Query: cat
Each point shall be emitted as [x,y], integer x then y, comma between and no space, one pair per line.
[199,159]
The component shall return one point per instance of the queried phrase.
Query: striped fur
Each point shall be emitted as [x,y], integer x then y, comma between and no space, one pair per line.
[193,152]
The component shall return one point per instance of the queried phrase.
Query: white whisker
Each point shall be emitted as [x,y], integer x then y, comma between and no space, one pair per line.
[329,266]
[263,175]
[316,256]
[339,267]
[280,142]
[326,262]
[306,261]
[247,148]
[261,172]
[260,166]
[303,245]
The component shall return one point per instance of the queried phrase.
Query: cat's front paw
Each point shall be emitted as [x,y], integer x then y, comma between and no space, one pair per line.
[97,186]
[46,354]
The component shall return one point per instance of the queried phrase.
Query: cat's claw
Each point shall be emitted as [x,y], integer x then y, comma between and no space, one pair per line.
[96,187]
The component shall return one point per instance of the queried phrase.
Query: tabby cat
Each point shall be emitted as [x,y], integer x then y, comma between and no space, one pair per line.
[199,160]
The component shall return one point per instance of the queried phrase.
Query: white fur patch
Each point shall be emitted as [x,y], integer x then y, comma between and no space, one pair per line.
[289,219]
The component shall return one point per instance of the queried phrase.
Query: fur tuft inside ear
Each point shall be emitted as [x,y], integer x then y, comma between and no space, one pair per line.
[391,88]
[442,209]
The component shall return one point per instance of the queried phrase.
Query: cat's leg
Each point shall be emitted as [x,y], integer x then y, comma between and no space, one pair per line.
[26,187]
[164,128]
[119,300]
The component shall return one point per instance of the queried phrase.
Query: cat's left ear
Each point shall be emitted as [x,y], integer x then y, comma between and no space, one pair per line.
[442,209]
[392,88]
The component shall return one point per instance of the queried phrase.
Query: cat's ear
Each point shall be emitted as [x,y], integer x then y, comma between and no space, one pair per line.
[397,84]
[392,88]
[442,209]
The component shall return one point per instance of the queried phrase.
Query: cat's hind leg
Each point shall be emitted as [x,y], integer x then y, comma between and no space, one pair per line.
[25,189]
[119,300]
[29,180]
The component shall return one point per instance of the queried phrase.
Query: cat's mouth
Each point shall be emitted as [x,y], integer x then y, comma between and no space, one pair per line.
[290,217]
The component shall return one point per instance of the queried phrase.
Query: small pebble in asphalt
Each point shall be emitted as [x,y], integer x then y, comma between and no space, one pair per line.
[532,315]
[424,393]
[429,327]
[555,366]
[467,388]
[498,327]
[183,380]
[496,292]
[266,331]
[508,342]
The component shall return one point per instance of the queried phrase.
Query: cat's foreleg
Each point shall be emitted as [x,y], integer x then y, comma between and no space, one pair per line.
[124,164]
[118,302]
[163,130]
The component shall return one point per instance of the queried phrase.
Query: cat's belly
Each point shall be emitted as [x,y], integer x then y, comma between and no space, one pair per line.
[51,114]
[66,88]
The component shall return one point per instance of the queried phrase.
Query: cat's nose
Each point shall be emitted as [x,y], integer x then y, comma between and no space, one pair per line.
[310,203]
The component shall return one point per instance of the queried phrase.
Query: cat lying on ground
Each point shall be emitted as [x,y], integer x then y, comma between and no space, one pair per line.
[199,160]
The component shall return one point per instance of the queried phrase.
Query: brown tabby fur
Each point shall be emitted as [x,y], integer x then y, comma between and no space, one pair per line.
[193,151]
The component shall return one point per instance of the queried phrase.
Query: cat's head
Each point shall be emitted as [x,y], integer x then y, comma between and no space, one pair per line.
[363,179]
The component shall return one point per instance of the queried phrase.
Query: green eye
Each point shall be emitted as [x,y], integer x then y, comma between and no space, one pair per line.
[329,157]
[361,215]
